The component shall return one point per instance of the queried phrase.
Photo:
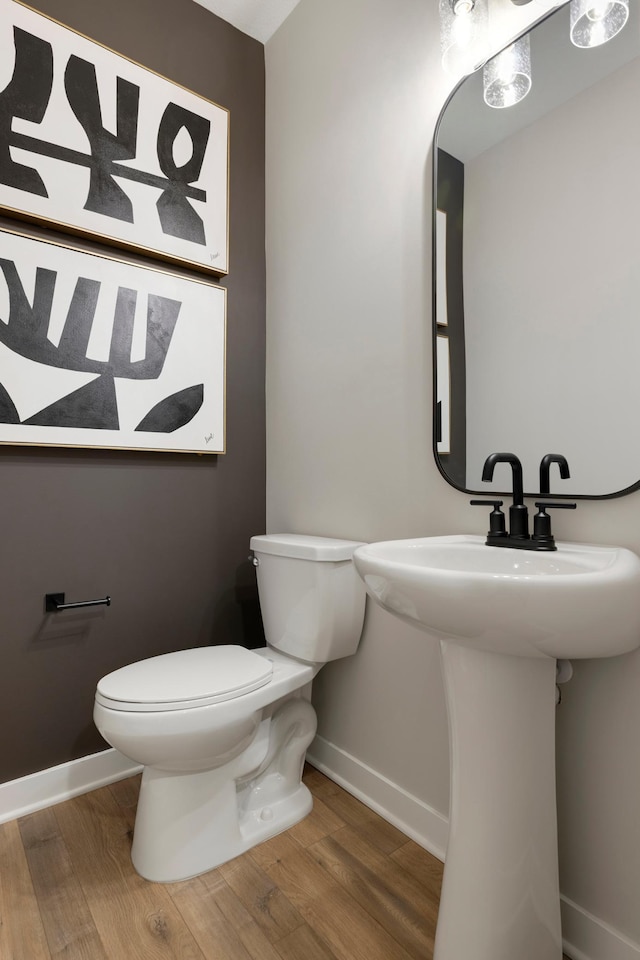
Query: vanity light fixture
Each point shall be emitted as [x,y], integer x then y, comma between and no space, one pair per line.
[595,21]
[463,35]
[506,79]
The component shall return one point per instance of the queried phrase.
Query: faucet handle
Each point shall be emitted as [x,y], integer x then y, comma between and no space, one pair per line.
[542,522]
[543,505]
[497,528]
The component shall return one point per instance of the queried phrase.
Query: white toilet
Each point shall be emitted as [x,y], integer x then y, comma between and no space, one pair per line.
[222,731]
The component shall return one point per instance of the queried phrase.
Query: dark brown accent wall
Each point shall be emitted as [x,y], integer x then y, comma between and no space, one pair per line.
[166,535]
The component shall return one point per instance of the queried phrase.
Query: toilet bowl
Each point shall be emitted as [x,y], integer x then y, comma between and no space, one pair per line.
[222,731]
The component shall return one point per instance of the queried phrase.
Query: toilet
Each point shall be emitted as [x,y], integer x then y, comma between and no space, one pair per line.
[222,731]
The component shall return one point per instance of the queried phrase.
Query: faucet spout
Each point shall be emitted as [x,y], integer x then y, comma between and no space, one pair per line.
[545,465]
[516,468]
[518,513]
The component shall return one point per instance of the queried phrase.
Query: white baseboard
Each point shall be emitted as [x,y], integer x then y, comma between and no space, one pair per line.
[585,937]
[417,819]
[46,787]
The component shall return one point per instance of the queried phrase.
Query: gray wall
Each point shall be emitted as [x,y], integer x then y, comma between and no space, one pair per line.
[166,535]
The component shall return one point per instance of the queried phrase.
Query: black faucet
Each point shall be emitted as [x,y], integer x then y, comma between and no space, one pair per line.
[518,513]
[518,535]
[545,464]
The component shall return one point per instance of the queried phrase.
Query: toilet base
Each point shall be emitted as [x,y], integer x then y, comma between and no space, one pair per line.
[178,849]
[189,823]
[260,825]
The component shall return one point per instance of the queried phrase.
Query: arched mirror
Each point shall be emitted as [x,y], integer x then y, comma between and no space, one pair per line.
[537,270]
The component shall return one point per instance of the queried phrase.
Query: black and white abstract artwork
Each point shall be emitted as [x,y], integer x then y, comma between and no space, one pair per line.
[93,143]
[97,352]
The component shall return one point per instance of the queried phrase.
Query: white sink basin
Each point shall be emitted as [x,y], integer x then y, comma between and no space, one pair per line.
[582,600]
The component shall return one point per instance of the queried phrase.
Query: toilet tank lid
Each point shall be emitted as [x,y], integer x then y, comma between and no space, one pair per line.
[303,547]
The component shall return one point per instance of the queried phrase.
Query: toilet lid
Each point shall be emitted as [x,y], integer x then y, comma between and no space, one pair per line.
[184,679]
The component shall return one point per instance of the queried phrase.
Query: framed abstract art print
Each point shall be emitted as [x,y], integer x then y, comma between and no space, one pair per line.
[95,144]
[99,352]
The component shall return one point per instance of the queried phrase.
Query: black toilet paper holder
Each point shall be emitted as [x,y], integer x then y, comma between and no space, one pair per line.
[55,601]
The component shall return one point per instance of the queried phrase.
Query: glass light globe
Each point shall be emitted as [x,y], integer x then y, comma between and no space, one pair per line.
[463,35]
[595,21]
[506,79]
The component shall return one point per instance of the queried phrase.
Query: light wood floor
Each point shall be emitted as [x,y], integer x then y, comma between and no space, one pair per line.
[342,885]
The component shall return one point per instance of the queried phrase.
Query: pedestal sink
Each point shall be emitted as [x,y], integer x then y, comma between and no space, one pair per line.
[503,616]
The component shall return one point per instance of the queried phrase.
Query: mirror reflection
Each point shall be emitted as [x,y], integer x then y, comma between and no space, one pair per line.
[536,273]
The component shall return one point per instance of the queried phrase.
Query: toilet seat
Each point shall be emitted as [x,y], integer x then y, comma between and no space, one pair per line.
[185,679]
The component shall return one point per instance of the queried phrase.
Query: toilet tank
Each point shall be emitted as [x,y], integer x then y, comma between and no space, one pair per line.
[311,597]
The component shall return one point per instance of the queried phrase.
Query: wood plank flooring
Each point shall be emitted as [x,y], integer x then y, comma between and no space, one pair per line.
[341,885]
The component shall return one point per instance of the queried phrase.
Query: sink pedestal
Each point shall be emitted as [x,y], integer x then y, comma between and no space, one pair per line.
[500,895]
